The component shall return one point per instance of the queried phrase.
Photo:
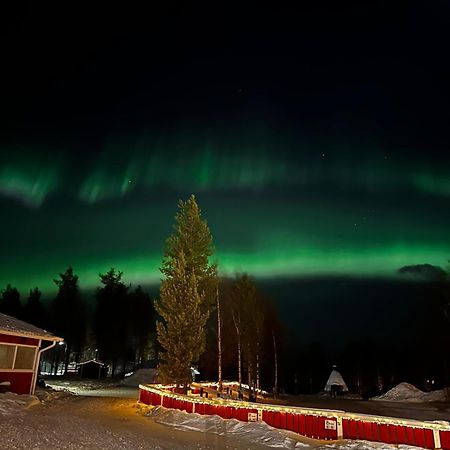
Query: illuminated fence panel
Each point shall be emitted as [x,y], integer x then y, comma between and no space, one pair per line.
[302,425]
[409,432]
[445,439]
[268,417]
[290,421]
[313,423]
[402,437]
[309,426]
[429,439]
[419,437]
[368,431]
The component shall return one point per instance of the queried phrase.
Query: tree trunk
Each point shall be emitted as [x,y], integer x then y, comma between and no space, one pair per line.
[219,342]
[113,367]
[275,363]
[257,366]
[239,363]
[67,351]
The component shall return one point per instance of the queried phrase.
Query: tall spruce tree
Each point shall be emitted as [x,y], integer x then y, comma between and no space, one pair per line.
[111,318]
[192,238]
[10,302]
[69,314]
[182,333]
[141,323]
[34,311]
[187,294]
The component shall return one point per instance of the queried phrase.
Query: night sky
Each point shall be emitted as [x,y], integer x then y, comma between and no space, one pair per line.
[316,139]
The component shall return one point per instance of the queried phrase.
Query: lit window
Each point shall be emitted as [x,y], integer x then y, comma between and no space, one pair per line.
[25,358]
[6,356]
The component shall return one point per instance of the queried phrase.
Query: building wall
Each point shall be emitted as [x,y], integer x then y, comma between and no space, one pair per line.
[20,381]
[18,362]
[18,340]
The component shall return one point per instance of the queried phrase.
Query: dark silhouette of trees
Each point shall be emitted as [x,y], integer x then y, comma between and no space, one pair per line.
[110,319]
[141,319]
[248,318]
[69,315]
[34,311]
[10,302]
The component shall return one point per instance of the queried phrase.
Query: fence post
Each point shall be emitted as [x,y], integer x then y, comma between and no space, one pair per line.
[437,439]
[340,431]
[260,415]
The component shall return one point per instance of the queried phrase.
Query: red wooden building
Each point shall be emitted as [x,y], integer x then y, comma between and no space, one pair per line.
[21,346]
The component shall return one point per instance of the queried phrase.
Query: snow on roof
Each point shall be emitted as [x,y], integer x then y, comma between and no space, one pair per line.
[95,361]
[336,380]
[11,325]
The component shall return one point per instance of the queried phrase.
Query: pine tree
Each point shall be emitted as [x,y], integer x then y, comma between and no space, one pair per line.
[141,313]
[69,314]
[111,318]
[182,333]
[187,294]
[34,311]
[192,238]
[10,302]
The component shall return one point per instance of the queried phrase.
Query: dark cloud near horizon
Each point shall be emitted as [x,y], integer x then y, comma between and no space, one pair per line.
[424,271]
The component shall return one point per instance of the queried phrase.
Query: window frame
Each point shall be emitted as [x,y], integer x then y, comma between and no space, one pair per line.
[16,346]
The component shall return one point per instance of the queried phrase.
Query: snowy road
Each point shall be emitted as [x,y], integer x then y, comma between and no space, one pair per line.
[95,423]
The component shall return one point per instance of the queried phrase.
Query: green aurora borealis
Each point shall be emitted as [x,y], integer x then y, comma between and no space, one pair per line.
[315,137]
[272,212]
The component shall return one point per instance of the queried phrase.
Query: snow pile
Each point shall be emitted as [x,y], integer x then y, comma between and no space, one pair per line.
[11,403]
[405,392]
[79,386]
[141,376]
[49,395]
[255,432]
[364,445]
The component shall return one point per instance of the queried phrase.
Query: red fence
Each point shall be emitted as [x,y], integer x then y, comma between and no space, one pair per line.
[313,423]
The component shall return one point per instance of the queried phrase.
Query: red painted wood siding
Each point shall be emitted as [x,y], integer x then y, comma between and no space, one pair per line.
[7,338]
[20,381]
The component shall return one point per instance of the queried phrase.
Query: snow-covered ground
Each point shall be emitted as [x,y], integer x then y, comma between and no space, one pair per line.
[141,376]
[61,420]
[93,388]
[407,393]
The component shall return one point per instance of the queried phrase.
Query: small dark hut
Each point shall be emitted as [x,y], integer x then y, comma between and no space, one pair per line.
[93,369]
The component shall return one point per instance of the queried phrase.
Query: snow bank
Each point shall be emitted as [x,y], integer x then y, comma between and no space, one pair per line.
[405,392]
[79,386]
[255,432]
[141,376]
[11,403]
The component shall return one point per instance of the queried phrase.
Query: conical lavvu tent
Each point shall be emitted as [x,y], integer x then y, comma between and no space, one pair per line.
[335,379]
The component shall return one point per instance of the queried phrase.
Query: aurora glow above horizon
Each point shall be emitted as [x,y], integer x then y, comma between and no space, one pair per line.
[312,147]
[273,212]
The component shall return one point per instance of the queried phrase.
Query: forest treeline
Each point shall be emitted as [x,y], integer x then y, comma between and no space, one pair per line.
[119,327]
